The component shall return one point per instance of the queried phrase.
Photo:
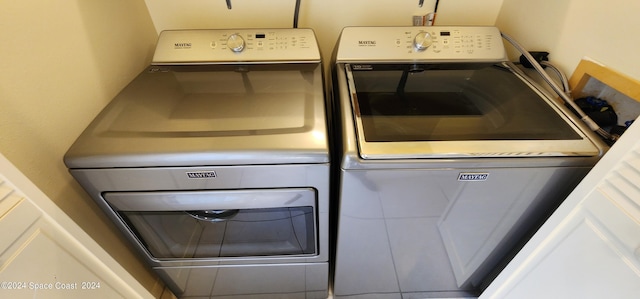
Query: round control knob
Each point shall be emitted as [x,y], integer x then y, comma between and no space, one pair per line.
[422,41]
[235,43]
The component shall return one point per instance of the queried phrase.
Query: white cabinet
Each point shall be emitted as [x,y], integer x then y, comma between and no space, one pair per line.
[46,257]
[590,247]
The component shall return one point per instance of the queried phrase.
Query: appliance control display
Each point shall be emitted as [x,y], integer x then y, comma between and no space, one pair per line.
[442,43]
[455,41]
[236,45]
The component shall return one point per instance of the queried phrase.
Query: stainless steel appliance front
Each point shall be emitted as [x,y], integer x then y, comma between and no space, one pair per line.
[449,156]
[214,163]
[250,230]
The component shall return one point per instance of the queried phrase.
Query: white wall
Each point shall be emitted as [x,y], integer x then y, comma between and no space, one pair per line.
[325,17]
[61,62]
[573,29]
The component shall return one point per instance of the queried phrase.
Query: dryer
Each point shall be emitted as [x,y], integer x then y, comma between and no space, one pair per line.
[449,157]
[214,163]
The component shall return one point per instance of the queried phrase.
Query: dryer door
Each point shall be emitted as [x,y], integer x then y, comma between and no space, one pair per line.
[219,224]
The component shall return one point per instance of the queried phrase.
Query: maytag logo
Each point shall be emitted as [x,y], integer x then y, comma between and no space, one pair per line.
[362,67]
[366,43]
[473,176]
[182,45]
[201,174]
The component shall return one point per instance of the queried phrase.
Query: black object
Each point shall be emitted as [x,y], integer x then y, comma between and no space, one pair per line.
[598,110]
[539,56]
[618,130]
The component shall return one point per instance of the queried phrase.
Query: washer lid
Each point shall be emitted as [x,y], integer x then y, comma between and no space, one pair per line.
[450,110]
[210,115]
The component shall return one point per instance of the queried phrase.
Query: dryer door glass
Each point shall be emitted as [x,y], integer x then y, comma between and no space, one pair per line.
[213,224]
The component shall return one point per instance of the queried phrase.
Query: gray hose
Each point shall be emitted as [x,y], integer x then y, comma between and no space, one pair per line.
[564,95]
[296,14]
[561,75]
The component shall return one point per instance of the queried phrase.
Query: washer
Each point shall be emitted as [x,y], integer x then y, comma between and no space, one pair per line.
[450,156]
[214,163]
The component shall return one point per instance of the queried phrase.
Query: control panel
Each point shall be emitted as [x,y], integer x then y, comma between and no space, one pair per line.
[439,43]
[236,46]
